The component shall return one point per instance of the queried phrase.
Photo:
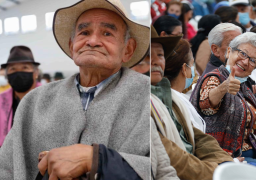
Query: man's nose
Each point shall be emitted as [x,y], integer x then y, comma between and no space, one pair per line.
[94,41]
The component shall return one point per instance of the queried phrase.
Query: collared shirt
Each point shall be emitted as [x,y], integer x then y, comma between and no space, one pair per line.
[83,90]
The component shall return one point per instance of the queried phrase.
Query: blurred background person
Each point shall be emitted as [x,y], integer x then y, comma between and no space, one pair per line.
[227,13]
[220,4]
[58,76]
[22,74]
[244,9]
[46,78]
[253,11]
[187,14]
[168,26]
[4,85]
[200,45]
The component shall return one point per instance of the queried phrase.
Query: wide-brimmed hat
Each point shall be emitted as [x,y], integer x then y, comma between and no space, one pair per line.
[65,19]
[20,54]
[168,42]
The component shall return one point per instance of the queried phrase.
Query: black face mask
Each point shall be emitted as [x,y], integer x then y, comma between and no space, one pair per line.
[21,81]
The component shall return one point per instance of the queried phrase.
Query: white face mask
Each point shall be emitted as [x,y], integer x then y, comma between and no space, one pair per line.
[43,81]
[3,81]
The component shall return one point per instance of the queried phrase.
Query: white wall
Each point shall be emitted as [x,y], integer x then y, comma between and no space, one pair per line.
[42,43]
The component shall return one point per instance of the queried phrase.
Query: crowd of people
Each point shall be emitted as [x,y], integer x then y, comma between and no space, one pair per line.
[203,90]
[110,120]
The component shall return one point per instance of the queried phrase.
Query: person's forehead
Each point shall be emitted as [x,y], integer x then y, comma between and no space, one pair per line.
[19,64]
[156,45]
[105,15]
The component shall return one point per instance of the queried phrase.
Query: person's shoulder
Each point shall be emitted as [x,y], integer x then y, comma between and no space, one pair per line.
[6,92]
[134,76]
[51,88]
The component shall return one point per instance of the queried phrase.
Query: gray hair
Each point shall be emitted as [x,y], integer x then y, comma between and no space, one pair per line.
[216,34]
[127,34]
[245,38]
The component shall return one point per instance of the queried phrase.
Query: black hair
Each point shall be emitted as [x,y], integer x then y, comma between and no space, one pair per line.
[227,13]
[205,25]
[166,23]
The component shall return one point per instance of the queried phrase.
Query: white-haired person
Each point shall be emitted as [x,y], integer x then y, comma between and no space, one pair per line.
[219,38]
[226,103]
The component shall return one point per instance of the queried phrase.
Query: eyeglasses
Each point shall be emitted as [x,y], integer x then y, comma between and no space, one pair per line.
[243,55]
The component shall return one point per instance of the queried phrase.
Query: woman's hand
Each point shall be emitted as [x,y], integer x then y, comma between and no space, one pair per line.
[233,84]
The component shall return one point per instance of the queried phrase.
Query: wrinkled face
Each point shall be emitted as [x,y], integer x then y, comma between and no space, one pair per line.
[228,36]
[157,63]
[242,66]
[99,40]
[19,67]
[174,9]
[242,8]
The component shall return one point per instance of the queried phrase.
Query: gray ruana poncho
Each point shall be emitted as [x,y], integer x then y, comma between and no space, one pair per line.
[52,116]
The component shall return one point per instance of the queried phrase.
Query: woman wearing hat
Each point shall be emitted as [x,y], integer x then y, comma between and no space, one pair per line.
[21,72]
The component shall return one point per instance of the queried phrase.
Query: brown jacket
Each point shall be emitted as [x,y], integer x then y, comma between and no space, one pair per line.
[207,155]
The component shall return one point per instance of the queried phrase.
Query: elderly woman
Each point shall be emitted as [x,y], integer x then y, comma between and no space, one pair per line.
[180,71]
[225,101]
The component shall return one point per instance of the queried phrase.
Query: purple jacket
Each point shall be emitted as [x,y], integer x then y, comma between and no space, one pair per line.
[6,113]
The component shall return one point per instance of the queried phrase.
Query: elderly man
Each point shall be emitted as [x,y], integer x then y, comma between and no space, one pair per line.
[175,129]
[21,72]
[106,104]
[243,7]
[219,38]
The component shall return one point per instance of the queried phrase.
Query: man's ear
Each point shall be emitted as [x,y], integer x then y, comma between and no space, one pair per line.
[228,52]
[71,47]
[129,50]
[163,34]
[215,50]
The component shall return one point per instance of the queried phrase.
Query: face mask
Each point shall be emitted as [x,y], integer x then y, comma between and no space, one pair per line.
[3,81]
[173,15]
[238,78]
[190,80]
[244,18]
[152,1]
[21,81]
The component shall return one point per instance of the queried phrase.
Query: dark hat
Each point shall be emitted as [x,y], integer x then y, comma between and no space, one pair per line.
[58,75]
[20,54]
[168,43]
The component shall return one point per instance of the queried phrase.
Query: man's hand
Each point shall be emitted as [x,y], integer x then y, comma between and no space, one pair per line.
[68,162]
[233,84]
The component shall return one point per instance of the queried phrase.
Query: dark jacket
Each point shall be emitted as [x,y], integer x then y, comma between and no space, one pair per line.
[214,63]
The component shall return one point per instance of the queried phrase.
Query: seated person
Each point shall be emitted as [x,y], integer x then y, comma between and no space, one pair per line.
[94,123]
[192,153]
[226,103]
[180,71]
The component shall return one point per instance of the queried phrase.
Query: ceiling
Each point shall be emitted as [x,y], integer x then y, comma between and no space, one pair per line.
[7,4]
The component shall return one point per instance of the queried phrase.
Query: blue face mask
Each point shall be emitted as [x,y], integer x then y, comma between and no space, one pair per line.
[244,18]
[190,80]
[173,15]
[152,1]
[238,78]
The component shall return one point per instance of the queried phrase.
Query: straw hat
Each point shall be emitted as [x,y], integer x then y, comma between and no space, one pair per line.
[168,43]
[65,19]
[19,54]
